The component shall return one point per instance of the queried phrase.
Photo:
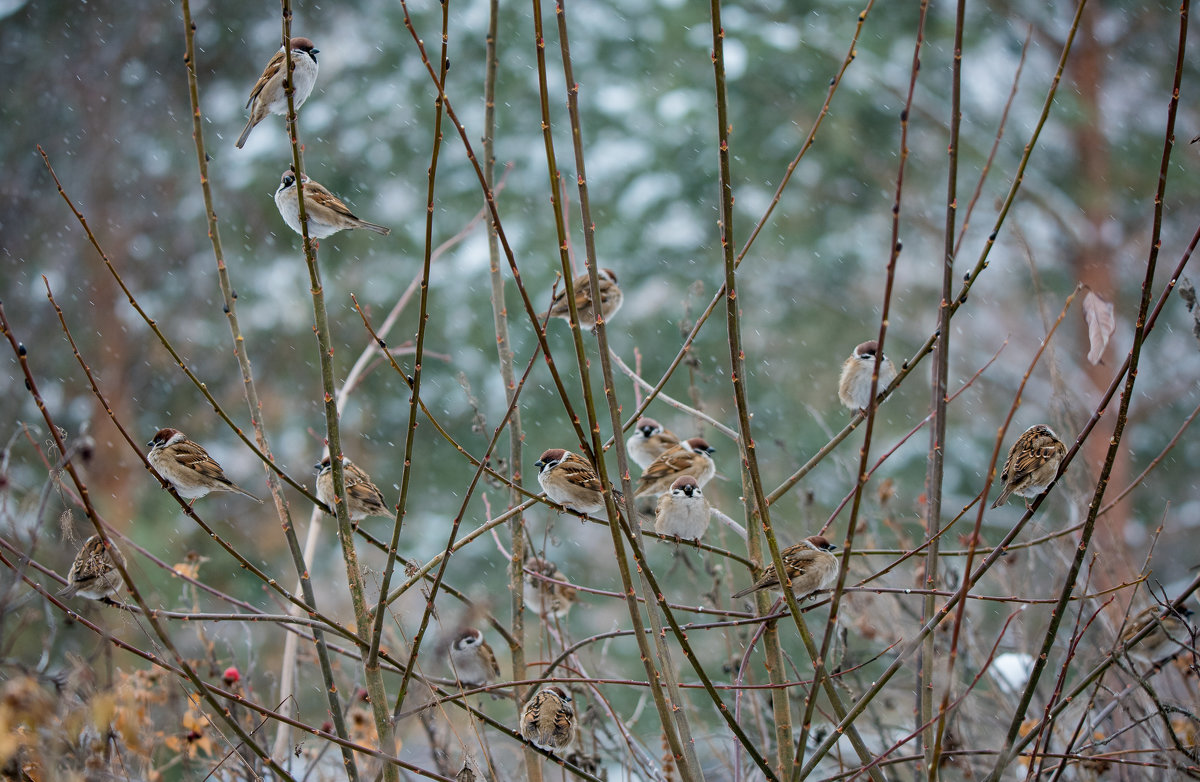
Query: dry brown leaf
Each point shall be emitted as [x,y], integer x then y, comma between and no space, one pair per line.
[1101,324]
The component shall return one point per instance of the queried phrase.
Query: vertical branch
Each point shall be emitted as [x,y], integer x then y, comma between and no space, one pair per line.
[779,697]
[533,769]
[415,385]
[1005,754]
[255,408]
[759,509]
[689,762]
[593,446]
[372,675]
[937,432]
[864,468]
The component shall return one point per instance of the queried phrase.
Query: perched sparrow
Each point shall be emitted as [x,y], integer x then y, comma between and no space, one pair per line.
[472,659]
[547,599]
[363,498]
[326,213]
[570,481]
[810,568]
[268,95]
[691,457]
[549,720]
[93,574]
[854,387]
[1032,464]
[683,511]
[610,300]
[649,441]
[1170,636]
[188,467]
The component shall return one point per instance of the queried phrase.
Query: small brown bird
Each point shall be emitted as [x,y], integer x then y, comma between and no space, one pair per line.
[810,567]
[854,386]
[570,481]
[649,441]
[472,659]
[548,720]
[93,574]
[269,96]
[545,598]
[1032,464]
[691,457]
[1171,635]
[611,299]
[363,498]
[188,467]
[326,213]
[683,511]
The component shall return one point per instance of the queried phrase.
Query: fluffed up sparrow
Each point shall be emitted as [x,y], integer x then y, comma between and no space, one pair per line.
[810,567]
[683,511]
[691,457]
[854,386]
[1171,635]
[649,441]
[569,480]
[326,213]
[548,720]
[188,467]
[611,299]
[363,498]
[1032,464]
[547,599]
[269,96]
[93,574]
[472,659]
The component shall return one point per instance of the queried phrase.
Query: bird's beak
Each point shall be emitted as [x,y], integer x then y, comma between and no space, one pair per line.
[832,547]
[150,444]
[539,464]
[317,467]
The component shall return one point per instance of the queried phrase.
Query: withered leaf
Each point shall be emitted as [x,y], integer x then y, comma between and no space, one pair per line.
[1101,324]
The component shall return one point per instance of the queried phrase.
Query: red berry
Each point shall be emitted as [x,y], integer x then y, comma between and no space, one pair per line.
[231,675]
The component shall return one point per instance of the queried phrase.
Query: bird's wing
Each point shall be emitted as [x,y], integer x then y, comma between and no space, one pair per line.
[273,68]
[194,457]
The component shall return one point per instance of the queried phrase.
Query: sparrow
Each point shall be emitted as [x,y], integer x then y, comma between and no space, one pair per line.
[691,457]
[649,441]
[363,498]
[683,511]
[570,481]
[547,599]
[326,213]
[810,568]
[268,95]
[472,659]
[611,299]
[1171,635]
[1032,464]
[93,574]
[854,386]
[548,720]
[188,467]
